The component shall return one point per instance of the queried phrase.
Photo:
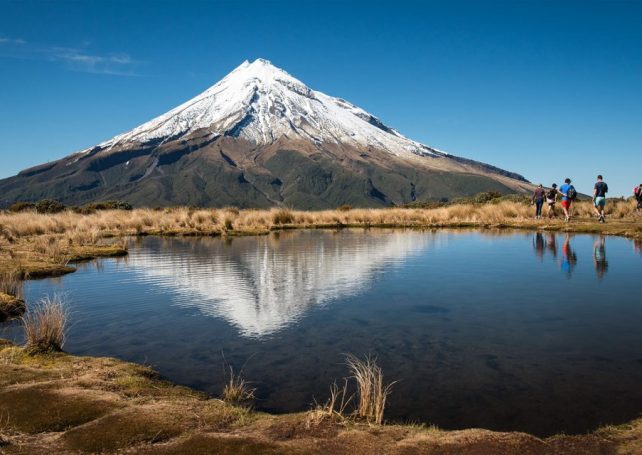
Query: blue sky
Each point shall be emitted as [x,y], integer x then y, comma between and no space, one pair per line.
[549,89]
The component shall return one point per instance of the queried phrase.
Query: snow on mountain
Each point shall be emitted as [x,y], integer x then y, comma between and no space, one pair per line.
[261,103]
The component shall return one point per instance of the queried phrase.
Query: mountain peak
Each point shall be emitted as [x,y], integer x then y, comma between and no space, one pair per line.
[260,103]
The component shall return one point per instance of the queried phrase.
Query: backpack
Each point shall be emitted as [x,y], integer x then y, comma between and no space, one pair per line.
[551,194]
[571,193]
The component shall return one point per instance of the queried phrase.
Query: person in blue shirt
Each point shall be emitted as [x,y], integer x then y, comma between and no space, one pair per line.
[568,195]
[599,198]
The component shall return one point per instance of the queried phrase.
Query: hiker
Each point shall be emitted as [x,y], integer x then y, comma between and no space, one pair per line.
[599,198]
[569,194]
[551,199]
[538,200]
[599,258]
[637,192]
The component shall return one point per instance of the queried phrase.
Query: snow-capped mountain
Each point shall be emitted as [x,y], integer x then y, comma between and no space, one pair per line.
[258,138]
[262,103]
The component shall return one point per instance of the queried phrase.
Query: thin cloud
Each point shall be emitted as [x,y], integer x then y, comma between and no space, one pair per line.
[4,40]
[73,58]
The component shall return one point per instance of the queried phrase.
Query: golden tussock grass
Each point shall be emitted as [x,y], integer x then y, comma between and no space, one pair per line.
[77,229]
[372,392]
[46,243]
[237,390]
[45,325]
[334,407]
[11,284]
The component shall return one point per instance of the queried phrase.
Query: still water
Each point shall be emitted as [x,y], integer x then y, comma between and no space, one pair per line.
[532,332]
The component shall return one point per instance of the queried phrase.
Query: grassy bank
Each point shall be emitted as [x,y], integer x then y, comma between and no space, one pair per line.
[46,244]
[57,403]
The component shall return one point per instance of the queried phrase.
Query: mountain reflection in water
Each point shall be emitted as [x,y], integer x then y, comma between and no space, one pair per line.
[262,285]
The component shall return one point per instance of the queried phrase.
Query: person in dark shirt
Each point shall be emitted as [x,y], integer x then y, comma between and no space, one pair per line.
[538,200]
[599,198]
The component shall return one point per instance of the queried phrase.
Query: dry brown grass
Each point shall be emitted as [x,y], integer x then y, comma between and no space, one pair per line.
[43,244]
[68,228]
[4,428]
[237,390]
[11,284]
[45,325]
[372,392]
[339,400]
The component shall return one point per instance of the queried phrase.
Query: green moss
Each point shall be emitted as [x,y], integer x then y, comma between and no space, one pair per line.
[124,429]
[41,408]
[207,444]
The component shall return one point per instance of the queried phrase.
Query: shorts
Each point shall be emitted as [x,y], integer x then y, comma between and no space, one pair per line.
[550,202]
[600,201]
[566,204]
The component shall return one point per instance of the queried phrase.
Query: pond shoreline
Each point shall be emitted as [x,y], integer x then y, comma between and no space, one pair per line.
[107,245]
[76,404]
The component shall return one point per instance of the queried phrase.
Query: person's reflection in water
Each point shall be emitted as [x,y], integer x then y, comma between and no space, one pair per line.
[637,246]
[551,244]
[599,257]
[569,258]
[539,244]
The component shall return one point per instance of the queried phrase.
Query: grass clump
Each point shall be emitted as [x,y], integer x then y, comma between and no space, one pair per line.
[335,406]
[282,216]
[372,393]
[12,304]
[45,326]
[237,390]
[11,284]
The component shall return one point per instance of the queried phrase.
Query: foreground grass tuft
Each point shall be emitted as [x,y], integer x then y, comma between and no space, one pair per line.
[237,390]
[45,325]
[372,393]
[11,284]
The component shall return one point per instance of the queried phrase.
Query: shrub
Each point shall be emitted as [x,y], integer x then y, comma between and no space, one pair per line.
[45,325]
[109,205]
[344,208]
[49,206]
[22,206]
[486,196]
